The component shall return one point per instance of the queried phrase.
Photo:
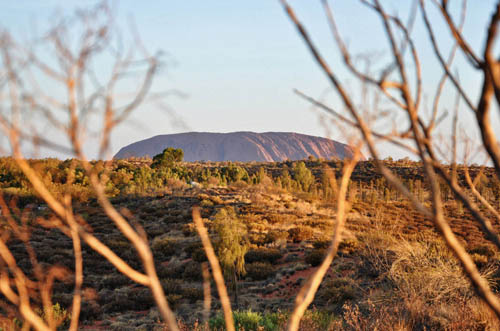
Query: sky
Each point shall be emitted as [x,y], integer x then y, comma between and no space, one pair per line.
[234,64]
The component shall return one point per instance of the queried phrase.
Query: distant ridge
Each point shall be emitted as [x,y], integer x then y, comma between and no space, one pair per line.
[240,146]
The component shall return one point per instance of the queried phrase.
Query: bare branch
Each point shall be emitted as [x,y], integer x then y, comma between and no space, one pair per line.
[478,195]
[490,88]
[329,110]
[457,35]
[451,57]
[441,59]
[308,291]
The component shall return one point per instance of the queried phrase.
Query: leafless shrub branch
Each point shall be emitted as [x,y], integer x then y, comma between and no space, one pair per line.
[420,133]
[70,117]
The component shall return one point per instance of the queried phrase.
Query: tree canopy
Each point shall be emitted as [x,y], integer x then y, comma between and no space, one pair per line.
[168,157]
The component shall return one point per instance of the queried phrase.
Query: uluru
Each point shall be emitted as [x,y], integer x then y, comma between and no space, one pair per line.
[240,146]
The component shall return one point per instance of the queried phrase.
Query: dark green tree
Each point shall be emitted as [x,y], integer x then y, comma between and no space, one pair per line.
[303,176]
[285,179]
[234,173]
[168,158]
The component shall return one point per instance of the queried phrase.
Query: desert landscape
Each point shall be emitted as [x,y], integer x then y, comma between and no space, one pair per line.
[392,267]
[249,165]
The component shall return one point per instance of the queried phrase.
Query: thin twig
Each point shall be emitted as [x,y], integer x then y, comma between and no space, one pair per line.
[308,291]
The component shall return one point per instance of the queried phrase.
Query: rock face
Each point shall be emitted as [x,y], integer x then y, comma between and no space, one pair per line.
[239,146]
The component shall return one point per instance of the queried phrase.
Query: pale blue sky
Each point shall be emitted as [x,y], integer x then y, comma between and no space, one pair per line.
[238,61]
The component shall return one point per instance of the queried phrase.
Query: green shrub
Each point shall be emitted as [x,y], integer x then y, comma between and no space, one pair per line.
[321,244]
[192,293]
[254,321]
[163,247]
[172,286]
[189,230]
[263,254]
[118,244]
[276,218]
[319,320]
[348,246]
[173,299]
[315,257]
[259,270]
[199,255]
[114,280]
[174,269]
[249,321]
[234,173]
[60,315]
[300,233]
[338,290]
[143,299]
[257,238]
[275,235]
[189,249]
[192,270]
[206,203]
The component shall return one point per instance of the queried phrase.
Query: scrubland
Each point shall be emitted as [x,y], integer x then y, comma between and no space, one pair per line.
[392,270]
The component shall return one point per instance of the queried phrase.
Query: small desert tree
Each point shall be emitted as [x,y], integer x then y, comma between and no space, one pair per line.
[231,246]
[303,176]
[234,173]
[168,158]
[285,179]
